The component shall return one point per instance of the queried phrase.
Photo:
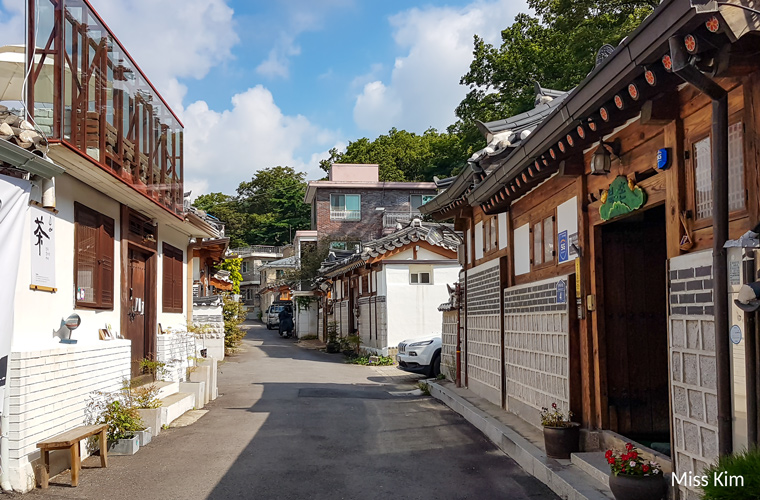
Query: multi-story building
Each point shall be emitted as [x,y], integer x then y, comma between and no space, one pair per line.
[254,257]
[353,206]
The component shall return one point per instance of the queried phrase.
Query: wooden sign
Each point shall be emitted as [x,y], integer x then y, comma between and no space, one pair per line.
[623,197]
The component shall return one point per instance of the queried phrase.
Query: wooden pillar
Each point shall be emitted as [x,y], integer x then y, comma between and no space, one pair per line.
[674,187]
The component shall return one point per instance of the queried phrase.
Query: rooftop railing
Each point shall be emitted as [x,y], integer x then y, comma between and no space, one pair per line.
[89,94]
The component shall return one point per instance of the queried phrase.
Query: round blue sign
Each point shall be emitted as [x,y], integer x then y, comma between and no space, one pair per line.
[736,334]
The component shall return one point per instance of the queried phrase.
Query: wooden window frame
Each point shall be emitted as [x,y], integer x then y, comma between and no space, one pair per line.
[172,263]
[531,224]
[691,186]
[104,250]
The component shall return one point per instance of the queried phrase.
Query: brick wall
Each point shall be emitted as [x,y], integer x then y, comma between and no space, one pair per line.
[693,372]
[484,331]
[48,393]
[536,355]
[370,226]
[449,344]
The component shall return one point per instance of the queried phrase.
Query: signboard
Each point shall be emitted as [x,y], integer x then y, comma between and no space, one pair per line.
[663,159]
[561,292]
[736,334]
[735,272]
[42,236]
[14,202]
[563,243]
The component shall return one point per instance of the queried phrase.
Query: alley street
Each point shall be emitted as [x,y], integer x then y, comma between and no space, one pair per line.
[296,423]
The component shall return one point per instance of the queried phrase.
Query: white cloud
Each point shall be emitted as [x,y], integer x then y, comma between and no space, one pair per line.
[225,148]
[172,39]
[423,88]
[278,62]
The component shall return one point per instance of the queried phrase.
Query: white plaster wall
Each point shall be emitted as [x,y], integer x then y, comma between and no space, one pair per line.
[468,239]
[503,235]
[413,309]
[167,234]
[522,250]
[382,283]
[39,314]
[479,240]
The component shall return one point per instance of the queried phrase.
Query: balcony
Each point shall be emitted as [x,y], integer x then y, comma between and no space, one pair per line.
[89,95]
[390,219]
[352,215]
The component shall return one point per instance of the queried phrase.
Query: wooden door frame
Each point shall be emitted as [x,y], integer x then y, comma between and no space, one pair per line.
[151,282]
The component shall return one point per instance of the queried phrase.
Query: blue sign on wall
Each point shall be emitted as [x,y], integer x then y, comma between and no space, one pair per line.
[564,246]
[561,292]
[663,159]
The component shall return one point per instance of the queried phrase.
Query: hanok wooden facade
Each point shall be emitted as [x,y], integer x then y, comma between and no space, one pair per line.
[611,302]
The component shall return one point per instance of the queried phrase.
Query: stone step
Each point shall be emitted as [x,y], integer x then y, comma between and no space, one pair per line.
[166,388]
[174,406]
[594,464]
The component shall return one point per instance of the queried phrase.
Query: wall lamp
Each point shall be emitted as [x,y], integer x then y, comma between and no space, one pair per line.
[601,160]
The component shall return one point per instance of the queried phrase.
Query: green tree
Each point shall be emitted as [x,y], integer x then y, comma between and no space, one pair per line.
[405,156]
[233,265]
[556,48]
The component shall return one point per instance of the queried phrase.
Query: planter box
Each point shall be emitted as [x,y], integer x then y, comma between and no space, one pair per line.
[127,446]
[151,418]
[144,436]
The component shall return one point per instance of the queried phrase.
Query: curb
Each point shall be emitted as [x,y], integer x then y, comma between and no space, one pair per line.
[567,481]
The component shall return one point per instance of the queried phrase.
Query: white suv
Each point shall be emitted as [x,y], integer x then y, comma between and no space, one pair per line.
[421,355]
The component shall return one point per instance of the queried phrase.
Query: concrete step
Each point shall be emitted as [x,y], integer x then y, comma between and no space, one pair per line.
[594,464]
[166,389]
[174,406]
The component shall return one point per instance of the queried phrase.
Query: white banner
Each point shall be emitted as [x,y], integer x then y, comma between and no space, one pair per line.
[42,236]
[14,202]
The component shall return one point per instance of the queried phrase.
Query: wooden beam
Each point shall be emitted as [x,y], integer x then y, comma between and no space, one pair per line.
[674,187]
[660,110]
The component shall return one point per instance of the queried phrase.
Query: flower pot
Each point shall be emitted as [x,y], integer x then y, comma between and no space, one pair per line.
[127,446]
[637,487]
[560,442]
[144,436]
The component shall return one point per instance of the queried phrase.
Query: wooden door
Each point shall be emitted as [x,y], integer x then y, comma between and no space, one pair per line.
[635,325]
[137,306]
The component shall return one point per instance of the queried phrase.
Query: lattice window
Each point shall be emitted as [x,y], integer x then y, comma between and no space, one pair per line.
[703,173]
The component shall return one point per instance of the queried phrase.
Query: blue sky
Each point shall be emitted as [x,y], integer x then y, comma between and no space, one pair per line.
[263,83]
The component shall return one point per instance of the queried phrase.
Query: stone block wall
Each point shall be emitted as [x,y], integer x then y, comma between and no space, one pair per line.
[484,331]
[47,394]
[536,348]
[693,374]
[373,324]
[449,345]
[174,349]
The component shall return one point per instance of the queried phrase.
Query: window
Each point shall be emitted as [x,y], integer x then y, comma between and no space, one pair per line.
[345,245]
[703,201]
[543,242]
[172,288]
[420,275]
[417,200]
[345,207]
[93,242]
[364,285]
[490,234]
[244,266]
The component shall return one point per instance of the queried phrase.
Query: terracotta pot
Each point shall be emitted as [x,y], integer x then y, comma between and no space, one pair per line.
[560,442]
[637,487]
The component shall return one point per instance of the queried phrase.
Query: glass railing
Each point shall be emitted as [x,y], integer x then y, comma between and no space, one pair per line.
[90,94]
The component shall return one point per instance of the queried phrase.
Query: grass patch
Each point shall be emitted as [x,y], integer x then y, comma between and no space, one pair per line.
[424,387]
[376,360]
[309,337]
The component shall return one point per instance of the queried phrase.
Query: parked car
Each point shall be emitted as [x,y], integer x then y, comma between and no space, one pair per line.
[421,355]
[271,315]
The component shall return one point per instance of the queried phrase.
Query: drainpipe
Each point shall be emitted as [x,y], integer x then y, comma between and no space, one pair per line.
[683,67]
[459,331]
[750,357]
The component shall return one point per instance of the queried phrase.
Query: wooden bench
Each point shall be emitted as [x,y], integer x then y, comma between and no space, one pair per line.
[70,439]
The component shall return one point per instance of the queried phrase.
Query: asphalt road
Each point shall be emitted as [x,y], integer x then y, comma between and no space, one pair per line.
[294,423]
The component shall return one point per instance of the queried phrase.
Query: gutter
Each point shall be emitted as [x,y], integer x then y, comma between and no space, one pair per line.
[20,158]
[684,68]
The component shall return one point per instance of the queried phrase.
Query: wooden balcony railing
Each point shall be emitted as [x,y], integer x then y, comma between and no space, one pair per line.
[89,94]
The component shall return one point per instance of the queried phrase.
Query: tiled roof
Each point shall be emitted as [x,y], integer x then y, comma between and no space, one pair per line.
[414,232]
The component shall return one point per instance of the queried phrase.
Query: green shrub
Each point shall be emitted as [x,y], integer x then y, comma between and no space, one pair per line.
[745,464]
[364,360]
[234,314]
[152,367]
[116,409]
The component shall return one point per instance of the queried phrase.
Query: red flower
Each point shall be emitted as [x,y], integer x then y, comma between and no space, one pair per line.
[554,405]
[628,446]
[634,455]
[610,460]
[608,454]
[645,468]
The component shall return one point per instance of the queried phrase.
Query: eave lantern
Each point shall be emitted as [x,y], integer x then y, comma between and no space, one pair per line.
[601,160]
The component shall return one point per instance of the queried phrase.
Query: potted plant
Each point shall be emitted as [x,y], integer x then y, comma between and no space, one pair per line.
[634,478]
[145,400]
[561,436]
[333,342]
